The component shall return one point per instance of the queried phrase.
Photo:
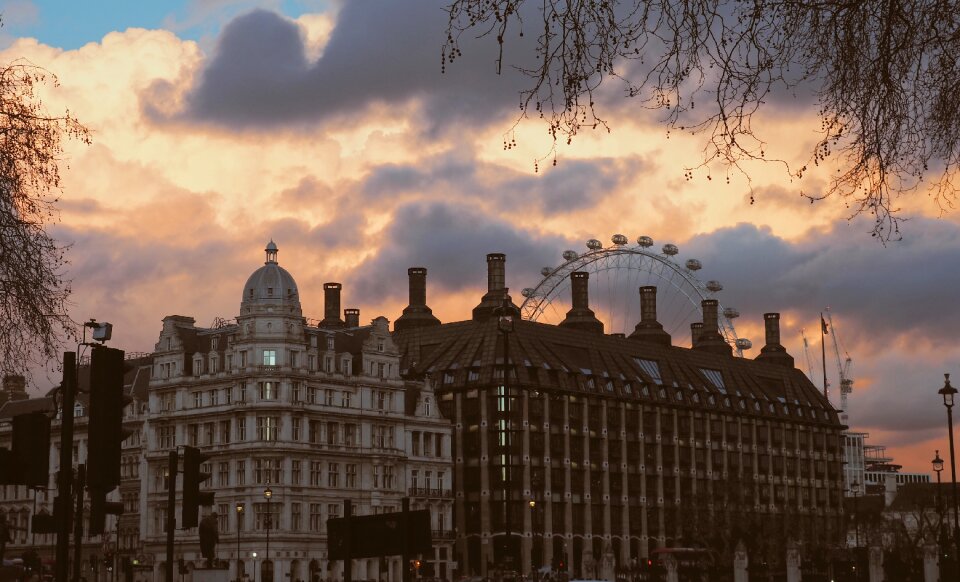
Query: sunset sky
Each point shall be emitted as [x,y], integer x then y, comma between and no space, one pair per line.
[328,127]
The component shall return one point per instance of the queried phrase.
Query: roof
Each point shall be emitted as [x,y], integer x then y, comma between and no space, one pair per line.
[17,407]
[571,360]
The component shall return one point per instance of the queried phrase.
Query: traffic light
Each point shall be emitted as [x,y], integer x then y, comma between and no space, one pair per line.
[27,462]
[99,508]
[193,498]
[105,429]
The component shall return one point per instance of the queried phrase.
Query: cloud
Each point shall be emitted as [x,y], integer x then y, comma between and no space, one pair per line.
[378,55]
[452,241]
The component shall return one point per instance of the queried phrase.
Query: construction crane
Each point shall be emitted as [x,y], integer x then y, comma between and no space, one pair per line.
[806,353]
[844,366]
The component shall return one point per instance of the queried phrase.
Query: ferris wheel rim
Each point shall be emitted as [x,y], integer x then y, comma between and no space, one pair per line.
[542,296]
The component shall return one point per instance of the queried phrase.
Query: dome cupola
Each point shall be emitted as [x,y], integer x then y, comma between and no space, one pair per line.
[271,288]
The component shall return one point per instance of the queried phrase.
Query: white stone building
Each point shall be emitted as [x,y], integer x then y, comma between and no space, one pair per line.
[316,413]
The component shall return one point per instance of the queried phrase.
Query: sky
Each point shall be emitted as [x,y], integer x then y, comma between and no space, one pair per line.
[329,127]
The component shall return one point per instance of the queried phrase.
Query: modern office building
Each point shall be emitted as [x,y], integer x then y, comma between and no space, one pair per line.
[582,451]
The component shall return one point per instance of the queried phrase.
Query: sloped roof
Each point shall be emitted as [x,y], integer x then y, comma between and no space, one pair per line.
[552,357]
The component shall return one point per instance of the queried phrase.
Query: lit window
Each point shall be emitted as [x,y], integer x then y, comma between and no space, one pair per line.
[269,357]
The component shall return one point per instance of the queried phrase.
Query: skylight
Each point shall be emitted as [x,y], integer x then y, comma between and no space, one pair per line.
[651,368]
[715,378]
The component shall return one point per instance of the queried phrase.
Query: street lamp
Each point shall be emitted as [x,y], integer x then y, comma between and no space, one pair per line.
[239,561]
[938,468]
[268,493]
[948,392]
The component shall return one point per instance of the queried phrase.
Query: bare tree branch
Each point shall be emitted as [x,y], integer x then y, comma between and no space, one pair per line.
[886,74]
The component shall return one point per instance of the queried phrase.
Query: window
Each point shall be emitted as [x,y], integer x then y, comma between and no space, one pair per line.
[224,431]
[316,518]
[330,342]
[241,472]
[651,368]
[312,362]
[241,429]
[296,521]
[193,434]
[242,391]
[389,478]
[268,428]
[296,428]
[223,474]
[314,435]
[379,345]
[415,478]
[440,476]
[381,370]
[295,391]
[229,363]
[214,397]
[267,471]
[328,397]
[197,399]
[382,400]
[428,479]
[166,437]
[438,445]
[267,515]
[333,475]
[209,429]
[315,472]
[294,359]
[351,476]
[427,408]
[268,390]
[333,433]
[197,366]
[350,435]
[167,401]
[416,443]
[295,472]
[345,399]
[269,357]
[376,476]
[333,510]
[228,395]
[312,395]
[382,436]
[243,359]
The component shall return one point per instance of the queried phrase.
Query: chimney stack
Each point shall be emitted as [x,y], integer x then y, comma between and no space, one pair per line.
[416,314]
[496,289]
[331,306]
[14,388]
[581,316]
[696,330]
[710,338]
[773,352]
[649,329]
[351,317]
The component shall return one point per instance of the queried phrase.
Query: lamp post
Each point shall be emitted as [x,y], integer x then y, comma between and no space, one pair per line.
[505,423]
[938,468]
[254,555]
[268,493]
[239,521]
[949,392]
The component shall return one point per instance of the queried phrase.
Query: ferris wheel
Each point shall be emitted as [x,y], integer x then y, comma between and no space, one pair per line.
[616,273]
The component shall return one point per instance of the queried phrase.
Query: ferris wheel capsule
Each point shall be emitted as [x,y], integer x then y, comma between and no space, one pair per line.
[731,313]
[744,344]
[527,292]
[619,239]
[670,249]
[570,255]
[593,244]
[645,241]
[714,286]
[546,271]
[694,264]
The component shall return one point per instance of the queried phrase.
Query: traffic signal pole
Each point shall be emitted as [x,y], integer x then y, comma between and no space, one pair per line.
[65,475]
[78,523]
[171,509]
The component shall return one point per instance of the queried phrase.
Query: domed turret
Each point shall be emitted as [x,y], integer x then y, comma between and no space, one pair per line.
[270,288]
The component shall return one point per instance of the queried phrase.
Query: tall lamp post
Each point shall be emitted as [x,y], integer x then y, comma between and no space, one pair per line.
[938,468]
[239,522]
[505,423]
[949,392]
[267,564]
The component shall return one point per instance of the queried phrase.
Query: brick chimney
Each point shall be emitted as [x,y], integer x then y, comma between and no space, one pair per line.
[496,289]
[416,313]
[14,388]
[710,338]
[772,351]
[649,329]
[351,317]
[581,316]
[696,330]
[331,306]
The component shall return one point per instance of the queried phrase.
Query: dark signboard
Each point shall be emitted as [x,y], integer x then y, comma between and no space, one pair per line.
[380,535]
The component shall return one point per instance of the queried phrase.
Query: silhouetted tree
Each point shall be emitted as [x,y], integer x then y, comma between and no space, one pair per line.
[884,75]
[33,292]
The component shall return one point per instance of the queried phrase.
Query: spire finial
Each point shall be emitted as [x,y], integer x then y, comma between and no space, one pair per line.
[271,251]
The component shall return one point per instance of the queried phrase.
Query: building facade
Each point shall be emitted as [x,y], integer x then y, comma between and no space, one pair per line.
[317,414]
[580,451]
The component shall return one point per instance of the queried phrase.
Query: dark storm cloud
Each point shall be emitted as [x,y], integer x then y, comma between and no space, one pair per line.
[888,304]
[378,53]
[452,241]
[573,185]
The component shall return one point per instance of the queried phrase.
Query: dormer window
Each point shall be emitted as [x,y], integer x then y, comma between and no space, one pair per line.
[329,342]
[380,345]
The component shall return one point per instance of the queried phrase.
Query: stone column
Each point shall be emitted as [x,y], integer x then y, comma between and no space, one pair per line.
[876,564]
[793,562]
[931,565]
[740,563]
